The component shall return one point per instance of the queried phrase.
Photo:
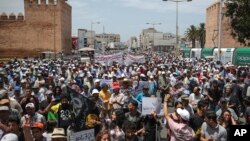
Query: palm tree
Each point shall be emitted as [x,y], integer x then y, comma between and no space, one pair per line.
[202,34]
[191,34]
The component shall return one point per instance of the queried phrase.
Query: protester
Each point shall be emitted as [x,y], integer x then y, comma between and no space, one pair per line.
[197,119]
[117,98]
[15,127]
[180,130]
[224,106]
[211,130]
[116,131]
[35,90]
[134,117]
[103,136]
[105,96]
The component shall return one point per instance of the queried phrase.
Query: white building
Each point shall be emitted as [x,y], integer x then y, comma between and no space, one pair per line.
[157,41]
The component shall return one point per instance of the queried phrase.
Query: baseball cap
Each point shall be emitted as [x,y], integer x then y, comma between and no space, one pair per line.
[10,137]
[17,88]
[104,85]
[183,113]
[37,125]
[30,105]
[116,87]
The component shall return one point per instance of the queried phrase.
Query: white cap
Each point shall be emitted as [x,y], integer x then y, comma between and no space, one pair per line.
[23,81]
[4,108]
[183,113]
[142,75]
[97,80]
[105,75]
[95,91]
[10,137]
[62,79]
[30,105]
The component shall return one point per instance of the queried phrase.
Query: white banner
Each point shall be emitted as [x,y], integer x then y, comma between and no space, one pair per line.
[138,59]
[151,104]
[86,135]
[108,59]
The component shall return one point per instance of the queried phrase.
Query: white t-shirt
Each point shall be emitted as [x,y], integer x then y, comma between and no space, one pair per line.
[194,99]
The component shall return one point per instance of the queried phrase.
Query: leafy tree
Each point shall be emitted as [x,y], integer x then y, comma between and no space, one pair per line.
[239,13]
[191,34]
[201,34]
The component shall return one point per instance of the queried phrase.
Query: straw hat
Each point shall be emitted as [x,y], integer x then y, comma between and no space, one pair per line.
[58,133]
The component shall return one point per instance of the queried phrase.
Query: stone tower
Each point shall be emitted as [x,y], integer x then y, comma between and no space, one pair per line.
[45,26]
[212,26]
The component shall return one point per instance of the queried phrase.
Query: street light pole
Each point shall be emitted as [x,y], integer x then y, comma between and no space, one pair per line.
[177,24]
[220,28]
[177,28]
[92,38]
[55,3]
[153,40]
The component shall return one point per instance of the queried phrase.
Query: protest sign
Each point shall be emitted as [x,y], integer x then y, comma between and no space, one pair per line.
[151,104]
[81,106]
[85,135]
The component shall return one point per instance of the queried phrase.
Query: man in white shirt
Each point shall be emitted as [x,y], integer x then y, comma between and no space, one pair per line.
[195,97]
[117,98]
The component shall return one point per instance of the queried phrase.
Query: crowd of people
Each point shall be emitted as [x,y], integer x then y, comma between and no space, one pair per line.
[207,97]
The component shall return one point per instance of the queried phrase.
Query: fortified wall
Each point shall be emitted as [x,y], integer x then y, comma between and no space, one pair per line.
[45,26]
[212,28]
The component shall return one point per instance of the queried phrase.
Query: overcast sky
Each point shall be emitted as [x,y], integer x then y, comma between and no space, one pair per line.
[127,17]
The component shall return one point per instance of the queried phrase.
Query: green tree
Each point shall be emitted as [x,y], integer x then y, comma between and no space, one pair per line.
[191,34]
[201,34]
[239,13]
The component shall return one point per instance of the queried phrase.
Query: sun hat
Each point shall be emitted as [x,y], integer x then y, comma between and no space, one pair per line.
[58,133]
[95,91]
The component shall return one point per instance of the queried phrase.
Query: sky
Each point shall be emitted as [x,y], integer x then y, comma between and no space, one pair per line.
[127,17]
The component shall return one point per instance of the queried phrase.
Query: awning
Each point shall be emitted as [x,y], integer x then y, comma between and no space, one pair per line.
[206,52]
[241,56]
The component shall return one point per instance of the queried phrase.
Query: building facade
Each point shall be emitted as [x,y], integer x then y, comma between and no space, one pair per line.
[108,37]
[212,28]
[157,41]
[45,26]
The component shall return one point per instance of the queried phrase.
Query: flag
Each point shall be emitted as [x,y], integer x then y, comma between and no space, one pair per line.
[81,107]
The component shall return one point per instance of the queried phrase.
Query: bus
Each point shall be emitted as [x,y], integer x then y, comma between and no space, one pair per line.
[86,54]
